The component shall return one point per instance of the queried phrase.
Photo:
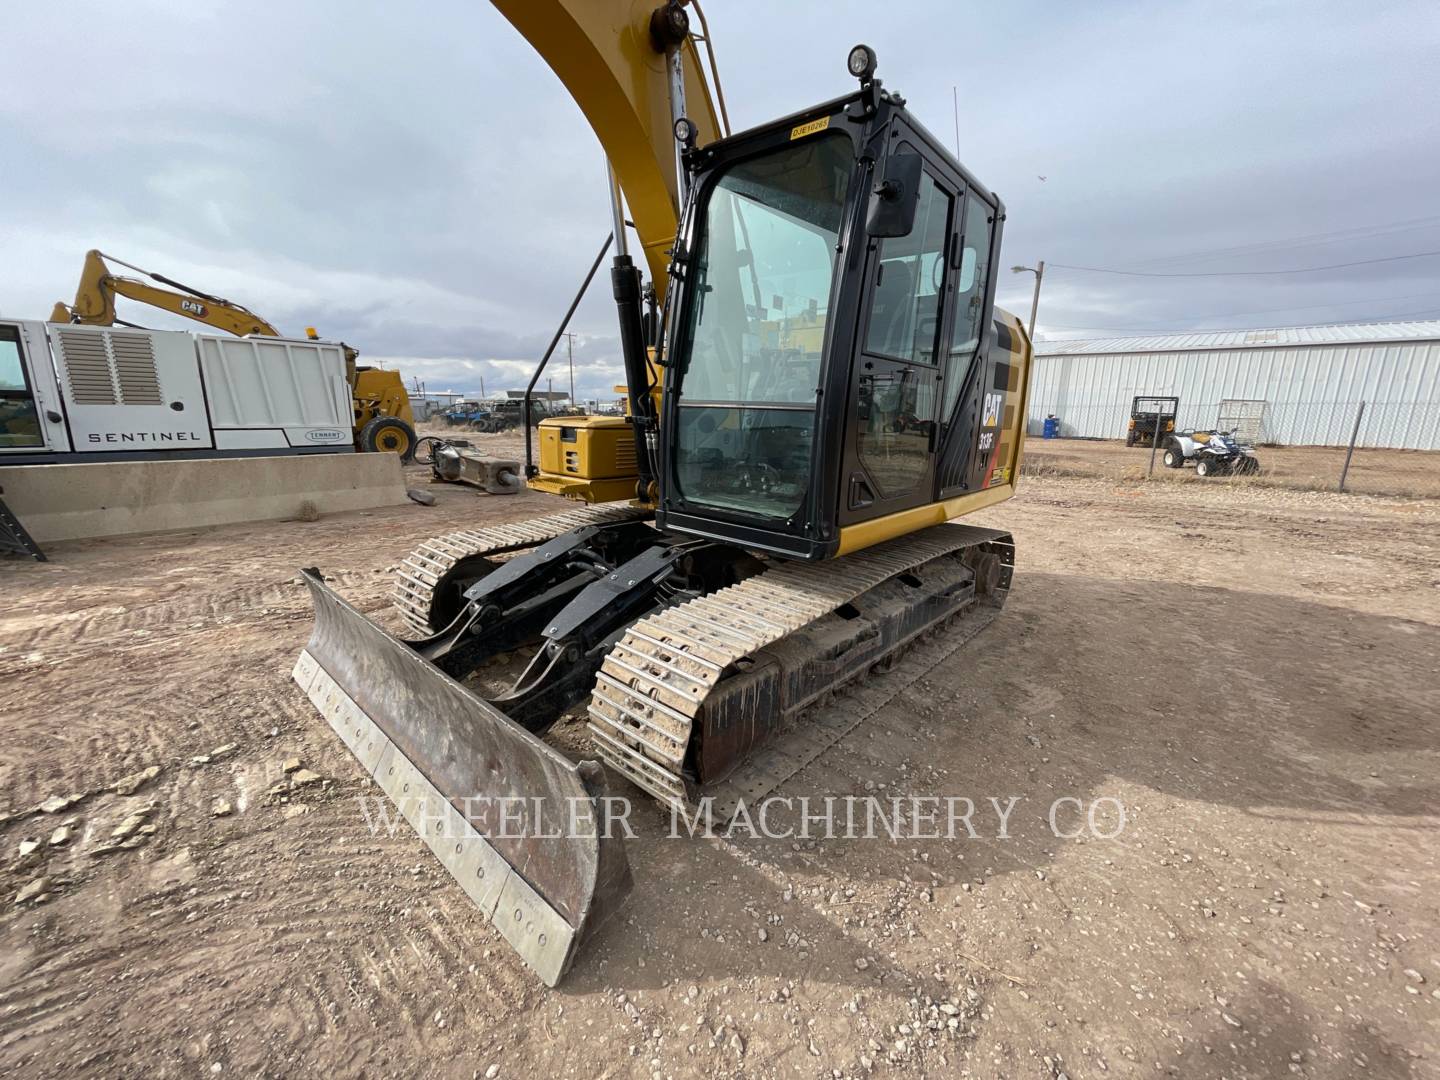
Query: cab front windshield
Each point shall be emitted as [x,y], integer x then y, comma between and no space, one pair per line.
[755,328]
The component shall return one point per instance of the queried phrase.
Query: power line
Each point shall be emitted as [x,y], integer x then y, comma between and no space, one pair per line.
[1224,329]
[1358,232]
[1267,311]
[1245,273]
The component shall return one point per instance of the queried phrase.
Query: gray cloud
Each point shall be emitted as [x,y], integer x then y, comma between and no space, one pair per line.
[416,181]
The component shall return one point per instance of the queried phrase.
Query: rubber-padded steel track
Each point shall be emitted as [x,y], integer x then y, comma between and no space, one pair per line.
[425,568]
[651,689]
[796,746]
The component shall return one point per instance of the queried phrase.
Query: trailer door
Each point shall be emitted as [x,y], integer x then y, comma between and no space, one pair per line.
[30,417]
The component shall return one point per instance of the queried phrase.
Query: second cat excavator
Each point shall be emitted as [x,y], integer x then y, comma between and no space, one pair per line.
[818,382]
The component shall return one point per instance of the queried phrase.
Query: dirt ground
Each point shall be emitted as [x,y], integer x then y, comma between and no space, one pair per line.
[1406,473]
[1249,672]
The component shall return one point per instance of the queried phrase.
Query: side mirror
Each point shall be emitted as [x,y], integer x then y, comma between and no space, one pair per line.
[895,196]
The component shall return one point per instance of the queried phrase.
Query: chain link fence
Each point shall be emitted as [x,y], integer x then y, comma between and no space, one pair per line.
[1377,447]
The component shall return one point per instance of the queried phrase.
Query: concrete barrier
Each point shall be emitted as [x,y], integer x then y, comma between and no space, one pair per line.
[120,498]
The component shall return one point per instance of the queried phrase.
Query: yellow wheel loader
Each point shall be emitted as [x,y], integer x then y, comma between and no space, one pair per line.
[383,417]
[818,381]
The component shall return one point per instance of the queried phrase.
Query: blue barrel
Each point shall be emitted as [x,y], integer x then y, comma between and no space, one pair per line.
[1051,428]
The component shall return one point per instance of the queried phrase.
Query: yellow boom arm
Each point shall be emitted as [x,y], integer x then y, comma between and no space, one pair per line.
[95,301]
[602,51]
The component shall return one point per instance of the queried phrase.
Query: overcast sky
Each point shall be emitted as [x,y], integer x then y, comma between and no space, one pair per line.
[413,178]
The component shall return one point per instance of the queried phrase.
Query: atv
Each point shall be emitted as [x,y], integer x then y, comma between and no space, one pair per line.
[1213,453]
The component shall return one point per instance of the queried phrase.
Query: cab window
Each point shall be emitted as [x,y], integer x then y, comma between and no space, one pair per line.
[758,307]
[970,280]
[905,311]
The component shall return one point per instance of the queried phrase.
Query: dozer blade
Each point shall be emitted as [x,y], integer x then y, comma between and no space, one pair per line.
[523,829]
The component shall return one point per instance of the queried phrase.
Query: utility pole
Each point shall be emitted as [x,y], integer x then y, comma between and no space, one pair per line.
[1039,271]
[482,387]
[570,348]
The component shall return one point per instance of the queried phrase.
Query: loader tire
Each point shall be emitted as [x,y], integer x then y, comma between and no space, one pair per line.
[389,434]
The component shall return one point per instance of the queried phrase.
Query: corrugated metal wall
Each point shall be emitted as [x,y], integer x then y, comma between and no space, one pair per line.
[1312,390]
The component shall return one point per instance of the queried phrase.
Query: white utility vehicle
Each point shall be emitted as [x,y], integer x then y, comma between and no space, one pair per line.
[79,393]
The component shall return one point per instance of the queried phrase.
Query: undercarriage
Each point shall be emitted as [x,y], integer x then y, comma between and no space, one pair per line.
[688,654]
[709,676]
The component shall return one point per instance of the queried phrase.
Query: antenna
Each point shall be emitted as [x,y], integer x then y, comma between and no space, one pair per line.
[955,99]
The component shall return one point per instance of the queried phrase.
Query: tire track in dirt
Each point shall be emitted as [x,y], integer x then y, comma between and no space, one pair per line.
[269,929]
[102,629]
[182,693]
[174,711]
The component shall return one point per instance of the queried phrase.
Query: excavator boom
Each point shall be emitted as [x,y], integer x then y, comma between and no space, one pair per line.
[95,300]
[608,55]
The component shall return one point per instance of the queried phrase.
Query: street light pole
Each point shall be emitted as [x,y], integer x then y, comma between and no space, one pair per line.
[1039,271]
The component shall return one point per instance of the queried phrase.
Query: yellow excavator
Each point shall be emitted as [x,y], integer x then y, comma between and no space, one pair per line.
[818,382]
[384,420]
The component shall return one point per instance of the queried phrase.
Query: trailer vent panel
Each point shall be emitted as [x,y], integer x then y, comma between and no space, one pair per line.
[112,367]
[135,369]
[87,368]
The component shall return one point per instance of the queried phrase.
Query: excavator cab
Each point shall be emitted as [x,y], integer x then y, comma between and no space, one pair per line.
[832,357]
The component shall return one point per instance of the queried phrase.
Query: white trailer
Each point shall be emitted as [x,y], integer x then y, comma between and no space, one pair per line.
[72,393]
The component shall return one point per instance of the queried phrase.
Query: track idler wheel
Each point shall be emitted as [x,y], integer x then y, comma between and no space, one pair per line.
[986,566]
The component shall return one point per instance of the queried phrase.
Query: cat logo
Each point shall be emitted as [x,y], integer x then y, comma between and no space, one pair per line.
[190,307]
[994,402]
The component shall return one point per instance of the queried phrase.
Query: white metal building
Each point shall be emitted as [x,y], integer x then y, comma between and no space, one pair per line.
[1306,381]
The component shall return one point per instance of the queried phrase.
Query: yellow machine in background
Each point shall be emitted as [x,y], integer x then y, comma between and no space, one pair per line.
[383,417]
[95,300]
[592,458]
[588,458]
[384,421]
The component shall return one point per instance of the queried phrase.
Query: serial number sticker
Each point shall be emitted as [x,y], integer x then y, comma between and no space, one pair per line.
[799,131]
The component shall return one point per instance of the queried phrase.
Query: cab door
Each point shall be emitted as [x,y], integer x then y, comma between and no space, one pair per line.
[896,380]
[978,380]
[30,419]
